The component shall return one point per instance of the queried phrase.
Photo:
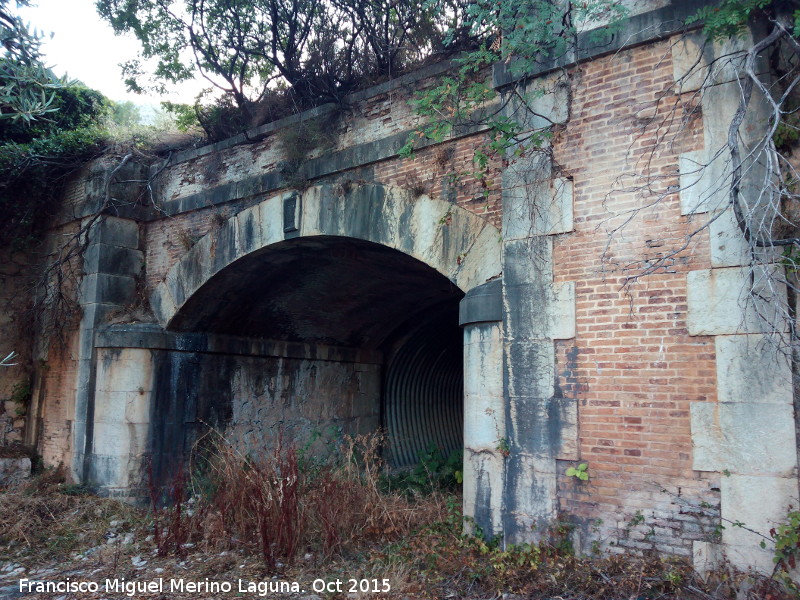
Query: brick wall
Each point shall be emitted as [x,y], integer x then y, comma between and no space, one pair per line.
[632,365]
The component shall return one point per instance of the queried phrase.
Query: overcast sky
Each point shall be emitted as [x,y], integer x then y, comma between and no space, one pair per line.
[85,47]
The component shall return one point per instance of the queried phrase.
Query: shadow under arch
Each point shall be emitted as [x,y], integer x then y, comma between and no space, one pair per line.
[373,275]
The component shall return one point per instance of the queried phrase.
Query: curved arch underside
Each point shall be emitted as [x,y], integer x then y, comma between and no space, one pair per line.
[322,289]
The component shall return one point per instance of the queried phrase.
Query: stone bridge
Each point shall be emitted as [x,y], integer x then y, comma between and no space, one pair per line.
[228,287]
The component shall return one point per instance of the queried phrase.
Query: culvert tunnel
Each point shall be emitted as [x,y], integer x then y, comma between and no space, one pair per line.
[368,337]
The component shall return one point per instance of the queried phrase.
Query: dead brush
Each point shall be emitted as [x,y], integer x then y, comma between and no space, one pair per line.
[277,505]
[44,518]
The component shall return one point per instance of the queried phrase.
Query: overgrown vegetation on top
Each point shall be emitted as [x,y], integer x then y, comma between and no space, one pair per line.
[49,127]
[26,85]
[37,156]
[272,57]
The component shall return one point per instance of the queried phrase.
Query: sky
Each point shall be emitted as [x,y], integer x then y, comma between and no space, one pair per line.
[86,48]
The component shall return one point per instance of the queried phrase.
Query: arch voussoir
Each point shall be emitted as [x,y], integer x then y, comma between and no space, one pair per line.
[455,242]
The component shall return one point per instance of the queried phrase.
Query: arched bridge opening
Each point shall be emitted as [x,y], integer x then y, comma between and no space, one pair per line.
[345,336]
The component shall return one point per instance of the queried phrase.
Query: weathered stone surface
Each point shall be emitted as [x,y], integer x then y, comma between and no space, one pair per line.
[115,260]
[744,438]
[483,360]
[528,261]
[480,263]
[759,503]
[537,207]
[753,368]
[704,182]
[705,175]
[539,104]
[728,246]
[540,311]
[543,427]
[484,412]
[531,501]
[115,232]
[121,439]
[530,369]
[124,370]
[535,308]
[484,488]
[14,470]
[108,289]
[707,557]
[698,63]
[162,304]
[735,300]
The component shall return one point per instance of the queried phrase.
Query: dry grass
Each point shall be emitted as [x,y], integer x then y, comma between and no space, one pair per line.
[283,505]
[44,518]
[280,515]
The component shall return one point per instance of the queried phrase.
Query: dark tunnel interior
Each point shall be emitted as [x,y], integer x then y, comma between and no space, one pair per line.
[357,294]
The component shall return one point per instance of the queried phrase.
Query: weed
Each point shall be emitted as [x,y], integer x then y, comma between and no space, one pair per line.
[503,446]
[581,472]
[21,396]
[433,472]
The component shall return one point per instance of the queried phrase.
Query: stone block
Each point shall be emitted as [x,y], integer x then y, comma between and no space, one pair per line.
[483,361]
[115,231]
[753,368]
[121,439]
[735,300]
[484,422]
[109,407]
[175,285]
[251,237]
[759,504]
[105,288]
[113,473]
[124,370]
[531,496]
[440,235]
[698,63]
[539,311]
[482,262]
[530,368]
[720,103]
[162,304]
[704,181]
[528,261]
[707,557]
[537,207]
[728,246]
[744,439]
[138,407]
[484,478]
[224,245]
[541,103]
[544,427]
[115,260]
